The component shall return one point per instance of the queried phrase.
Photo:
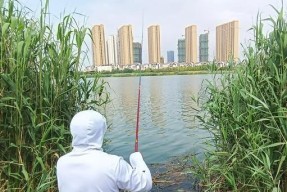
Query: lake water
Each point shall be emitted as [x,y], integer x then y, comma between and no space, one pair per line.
[167,125]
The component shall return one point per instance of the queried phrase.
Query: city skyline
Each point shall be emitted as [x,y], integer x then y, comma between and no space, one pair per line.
[172,16]
[192,48]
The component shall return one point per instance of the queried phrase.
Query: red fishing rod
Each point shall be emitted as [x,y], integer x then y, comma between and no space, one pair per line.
[139,95]
[138,116]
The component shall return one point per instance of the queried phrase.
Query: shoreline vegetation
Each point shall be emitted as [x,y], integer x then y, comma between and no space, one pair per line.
[40,90]
[246,116]
[211,68]
[152,74]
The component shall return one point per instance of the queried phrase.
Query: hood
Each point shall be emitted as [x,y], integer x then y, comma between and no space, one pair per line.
[88,129]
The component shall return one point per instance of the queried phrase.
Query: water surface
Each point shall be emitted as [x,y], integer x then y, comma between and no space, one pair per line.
[167,124]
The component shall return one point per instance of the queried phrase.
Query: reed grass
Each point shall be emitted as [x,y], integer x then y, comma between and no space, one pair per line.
[246,113]
[40,90]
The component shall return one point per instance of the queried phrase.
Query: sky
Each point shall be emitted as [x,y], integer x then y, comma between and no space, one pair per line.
[172,16]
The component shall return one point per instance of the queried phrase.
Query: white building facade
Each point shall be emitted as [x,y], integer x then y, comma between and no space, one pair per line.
[112,55]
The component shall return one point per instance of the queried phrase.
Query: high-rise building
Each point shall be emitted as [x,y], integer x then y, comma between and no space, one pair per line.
[227,41]
[137,50]
[125,45]
[112,50]
[181,50]
[98,45]
[191,44]
[162,59]
[170,56]
[154,44]
[203,47]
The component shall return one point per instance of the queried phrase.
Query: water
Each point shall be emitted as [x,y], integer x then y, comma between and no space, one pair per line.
[167,125]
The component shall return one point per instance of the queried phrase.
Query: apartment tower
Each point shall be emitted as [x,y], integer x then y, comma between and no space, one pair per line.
[98,45]
[203,47]
[154,44]
[181,50]
[170,56]
[112,50]
[125,45]
[191,44]
[137,51]
[227,41]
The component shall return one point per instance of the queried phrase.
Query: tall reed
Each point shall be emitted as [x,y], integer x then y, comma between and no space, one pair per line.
[40,89]
[247,116]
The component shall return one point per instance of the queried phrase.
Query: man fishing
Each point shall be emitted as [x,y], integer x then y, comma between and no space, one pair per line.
[88,169]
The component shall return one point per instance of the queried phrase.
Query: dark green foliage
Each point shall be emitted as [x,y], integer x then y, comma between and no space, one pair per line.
[40,90]
[247,116]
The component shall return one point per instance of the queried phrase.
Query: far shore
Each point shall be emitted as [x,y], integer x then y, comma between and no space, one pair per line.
[154,73]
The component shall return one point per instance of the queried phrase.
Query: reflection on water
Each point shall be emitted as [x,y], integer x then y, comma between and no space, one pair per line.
[167,124]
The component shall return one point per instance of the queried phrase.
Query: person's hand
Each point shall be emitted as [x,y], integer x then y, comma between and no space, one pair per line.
[136,159]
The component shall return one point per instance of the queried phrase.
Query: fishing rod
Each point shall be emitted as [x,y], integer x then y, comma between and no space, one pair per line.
[139,93]
[138,115]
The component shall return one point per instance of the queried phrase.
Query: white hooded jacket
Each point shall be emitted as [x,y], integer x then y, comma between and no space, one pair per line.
[88,169]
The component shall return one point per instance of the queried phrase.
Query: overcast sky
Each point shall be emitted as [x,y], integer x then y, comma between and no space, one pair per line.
[172,16]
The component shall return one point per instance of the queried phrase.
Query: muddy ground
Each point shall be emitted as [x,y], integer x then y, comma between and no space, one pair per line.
[173,176]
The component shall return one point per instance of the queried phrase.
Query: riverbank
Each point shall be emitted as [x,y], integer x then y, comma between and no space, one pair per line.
[174,176]
[154,73]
